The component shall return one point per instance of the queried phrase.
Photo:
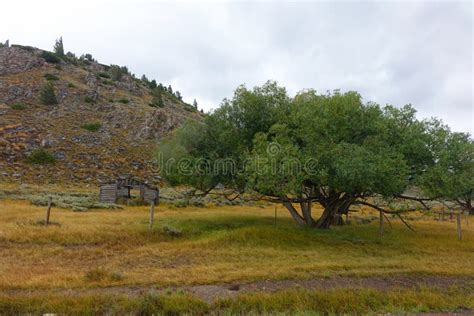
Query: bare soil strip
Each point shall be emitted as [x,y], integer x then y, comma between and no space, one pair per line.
[212,292]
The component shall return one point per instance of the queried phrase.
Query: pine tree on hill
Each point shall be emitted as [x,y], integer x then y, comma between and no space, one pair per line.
[47,95]
[59,47]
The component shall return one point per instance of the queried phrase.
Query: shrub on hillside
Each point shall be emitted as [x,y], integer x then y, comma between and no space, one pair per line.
[157,98]
[91,127]
[41,156]
[47,95]
[50,57]
[51,77]
[104,75]
[124,101]
[87,57]
[18,106]
[71,58]
[116,72]
[89,99]
[157,102]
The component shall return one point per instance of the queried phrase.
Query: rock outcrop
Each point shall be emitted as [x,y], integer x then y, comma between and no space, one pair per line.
[100,128]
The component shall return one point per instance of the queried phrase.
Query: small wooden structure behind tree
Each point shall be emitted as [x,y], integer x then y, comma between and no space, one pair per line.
[120,188]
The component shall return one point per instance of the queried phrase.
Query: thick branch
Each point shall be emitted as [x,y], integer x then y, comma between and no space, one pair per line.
[380,209]
[404,222]
[389,222]
[203,193]
[419,200]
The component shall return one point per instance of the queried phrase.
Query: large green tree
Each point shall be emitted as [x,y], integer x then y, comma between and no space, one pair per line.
[452,177]
[332,149]
[337,151]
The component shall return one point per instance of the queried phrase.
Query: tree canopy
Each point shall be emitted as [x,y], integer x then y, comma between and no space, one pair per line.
[452,177]
[332,149]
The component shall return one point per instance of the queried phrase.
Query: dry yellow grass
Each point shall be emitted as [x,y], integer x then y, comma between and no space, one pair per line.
[219,244]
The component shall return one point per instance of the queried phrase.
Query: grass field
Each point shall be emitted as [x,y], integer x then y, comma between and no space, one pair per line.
[89,255]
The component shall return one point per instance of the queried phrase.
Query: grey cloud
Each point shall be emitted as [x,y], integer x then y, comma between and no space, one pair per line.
[391,52]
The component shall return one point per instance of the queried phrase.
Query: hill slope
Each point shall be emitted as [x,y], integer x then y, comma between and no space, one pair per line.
[100,128]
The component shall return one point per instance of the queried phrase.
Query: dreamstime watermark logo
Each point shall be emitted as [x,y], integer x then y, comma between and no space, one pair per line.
[273,148]
[272,162]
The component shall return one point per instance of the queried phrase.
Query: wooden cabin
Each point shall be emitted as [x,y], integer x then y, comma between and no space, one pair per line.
[121,187]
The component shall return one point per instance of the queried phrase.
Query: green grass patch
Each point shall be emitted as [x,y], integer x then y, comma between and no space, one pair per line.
[124,101]
[91,127]
[41,156]
[47,95]
[51,77]
[18,106]
[348,301]
[291,301]
[104,75]
[89,99]
[177,303]
[108,82]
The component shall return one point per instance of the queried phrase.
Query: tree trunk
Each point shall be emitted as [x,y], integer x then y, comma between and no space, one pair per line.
[294,213]
[306,210]
[337,220]
[469,206]
[334,207]
[328,217]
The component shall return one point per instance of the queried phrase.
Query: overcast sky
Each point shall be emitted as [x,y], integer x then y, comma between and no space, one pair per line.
[391,52]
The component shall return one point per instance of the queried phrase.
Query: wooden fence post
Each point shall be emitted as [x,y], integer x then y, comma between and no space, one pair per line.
[381,223]
[152,213]
[48,211]
[275,223]
[458,221]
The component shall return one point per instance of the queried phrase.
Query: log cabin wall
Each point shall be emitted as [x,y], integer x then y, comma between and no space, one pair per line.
[109,193]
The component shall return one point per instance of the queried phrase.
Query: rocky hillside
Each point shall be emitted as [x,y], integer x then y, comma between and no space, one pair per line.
[105,123]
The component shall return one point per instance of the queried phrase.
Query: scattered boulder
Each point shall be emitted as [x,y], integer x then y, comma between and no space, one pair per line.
[16,59]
